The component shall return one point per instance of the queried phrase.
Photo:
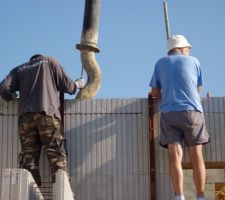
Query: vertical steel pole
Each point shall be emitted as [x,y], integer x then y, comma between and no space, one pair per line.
[152,148]
[166,16]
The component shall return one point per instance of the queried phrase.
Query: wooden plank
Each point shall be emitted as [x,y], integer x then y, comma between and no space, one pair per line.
[208,165]
[219,186]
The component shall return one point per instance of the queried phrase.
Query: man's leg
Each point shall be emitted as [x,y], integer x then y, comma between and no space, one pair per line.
[176,172]
[30,145]
[199,172]
[53,142]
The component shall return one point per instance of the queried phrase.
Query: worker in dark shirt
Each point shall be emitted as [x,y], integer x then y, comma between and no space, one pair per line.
[39,82]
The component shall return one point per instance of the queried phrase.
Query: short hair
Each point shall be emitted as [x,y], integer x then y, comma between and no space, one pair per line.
[36,56]
[173,51]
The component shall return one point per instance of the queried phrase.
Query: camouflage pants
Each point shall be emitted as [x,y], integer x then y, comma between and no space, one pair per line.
[37,130]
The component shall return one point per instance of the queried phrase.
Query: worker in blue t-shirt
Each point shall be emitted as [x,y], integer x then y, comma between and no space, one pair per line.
[177,79]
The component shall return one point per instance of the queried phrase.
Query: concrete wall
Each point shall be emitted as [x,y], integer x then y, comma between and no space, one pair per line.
[18,184]
[61,188]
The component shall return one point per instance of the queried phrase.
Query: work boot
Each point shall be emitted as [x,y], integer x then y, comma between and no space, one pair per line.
[36,175]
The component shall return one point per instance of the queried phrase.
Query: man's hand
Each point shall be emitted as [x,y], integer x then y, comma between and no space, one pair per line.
[8,96]
[14,95]
[80,83]
[155,92]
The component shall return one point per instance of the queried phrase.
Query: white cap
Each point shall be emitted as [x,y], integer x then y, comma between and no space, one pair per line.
[177,41]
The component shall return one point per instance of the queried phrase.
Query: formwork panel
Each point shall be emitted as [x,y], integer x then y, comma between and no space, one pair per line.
[108,146]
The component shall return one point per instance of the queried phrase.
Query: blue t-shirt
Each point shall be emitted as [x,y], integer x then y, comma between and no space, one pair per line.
[177,76]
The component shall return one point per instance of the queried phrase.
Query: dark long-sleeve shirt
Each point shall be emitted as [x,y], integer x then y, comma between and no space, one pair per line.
[39,82]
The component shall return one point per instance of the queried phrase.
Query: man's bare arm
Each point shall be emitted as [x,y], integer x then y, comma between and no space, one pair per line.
[199,88]
[155,92]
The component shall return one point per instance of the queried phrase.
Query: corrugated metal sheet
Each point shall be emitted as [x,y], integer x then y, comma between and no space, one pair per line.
[109,142]
[108,146]
[9,142]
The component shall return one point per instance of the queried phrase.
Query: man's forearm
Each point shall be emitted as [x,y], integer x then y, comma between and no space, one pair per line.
[155,92]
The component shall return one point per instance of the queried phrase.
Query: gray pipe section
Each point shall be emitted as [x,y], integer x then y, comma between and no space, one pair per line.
[166,16]
[88,48]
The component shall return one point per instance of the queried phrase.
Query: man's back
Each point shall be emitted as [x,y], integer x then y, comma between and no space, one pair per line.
[178,76]
[38,82]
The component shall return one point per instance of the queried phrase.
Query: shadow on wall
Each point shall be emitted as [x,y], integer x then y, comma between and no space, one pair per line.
[108,148]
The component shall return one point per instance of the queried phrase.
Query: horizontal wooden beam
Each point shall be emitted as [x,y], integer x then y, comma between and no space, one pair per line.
[208,165]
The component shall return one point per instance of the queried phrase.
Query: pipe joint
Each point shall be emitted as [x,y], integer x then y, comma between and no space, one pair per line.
[88,47]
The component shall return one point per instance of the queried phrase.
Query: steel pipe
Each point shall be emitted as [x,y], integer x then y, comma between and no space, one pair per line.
[88,48]
[166,16]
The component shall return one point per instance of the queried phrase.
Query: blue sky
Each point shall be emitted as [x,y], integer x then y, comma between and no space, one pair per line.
[132,38]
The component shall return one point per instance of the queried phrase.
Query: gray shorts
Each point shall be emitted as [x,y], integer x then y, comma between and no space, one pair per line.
[188,126]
